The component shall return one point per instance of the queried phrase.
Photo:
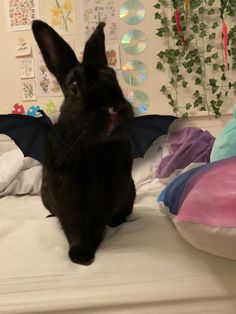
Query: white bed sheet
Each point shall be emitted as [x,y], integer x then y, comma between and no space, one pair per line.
[142,266]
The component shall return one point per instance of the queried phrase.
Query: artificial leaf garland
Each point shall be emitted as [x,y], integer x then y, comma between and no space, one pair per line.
[196,56]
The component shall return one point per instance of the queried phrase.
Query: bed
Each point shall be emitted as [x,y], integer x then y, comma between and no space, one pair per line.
[142,266]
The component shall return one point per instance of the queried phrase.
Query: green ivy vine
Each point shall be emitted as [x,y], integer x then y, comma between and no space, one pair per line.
[194,55]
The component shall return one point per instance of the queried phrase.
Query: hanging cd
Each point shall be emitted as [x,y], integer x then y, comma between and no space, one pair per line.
[134,72]
[132,12]
[140,102]
[134,42]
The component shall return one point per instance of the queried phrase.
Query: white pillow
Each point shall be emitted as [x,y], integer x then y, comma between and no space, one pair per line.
[144,168]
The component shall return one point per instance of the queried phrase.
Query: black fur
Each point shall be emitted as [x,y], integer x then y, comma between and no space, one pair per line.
[89,185]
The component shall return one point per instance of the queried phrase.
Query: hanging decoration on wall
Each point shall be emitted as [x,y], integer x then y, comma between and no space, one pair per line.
[18,109]
[134,42]
[186,9]
[33,111]
[134,72]
[19,14]
[50,107]
[27,67]
[62,15]
[201,47]
[178,20]
[225,42]
[100,11]
[140,102]
[28,90]
[132,12]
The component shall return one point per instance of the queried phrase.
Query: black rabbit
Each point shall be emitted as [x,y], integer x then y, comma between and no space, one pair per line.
[88,185]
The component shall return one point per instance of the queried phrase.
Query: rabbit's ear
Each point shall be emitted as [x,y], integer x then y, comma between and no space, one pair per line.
[57,54]
[94,51]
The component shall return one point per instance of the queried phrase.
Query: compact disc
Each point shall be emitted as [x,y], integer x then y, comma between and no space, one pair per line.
[140,102]
[132,12]
[134,72]
[134,42]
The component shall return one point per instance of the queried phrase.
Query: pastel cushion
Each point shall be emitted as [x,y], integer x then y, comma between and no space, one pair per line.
[202,203]
[225,144]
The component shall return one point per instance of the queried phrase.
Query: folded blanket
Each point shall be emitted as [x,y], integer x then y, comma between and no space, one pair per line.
[19,174]
[188,145]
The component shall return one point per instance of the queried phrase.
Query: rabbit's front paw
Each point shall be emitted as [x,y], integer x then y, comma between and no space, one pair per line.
[81,255]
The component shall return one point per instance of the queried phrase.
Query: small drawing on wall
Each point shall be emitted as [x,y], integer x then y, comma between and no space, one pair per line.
[27,67]
[19,14]
[62,16]
[28,90]
[100,11]
[113,56]
[47,85]
[23,47]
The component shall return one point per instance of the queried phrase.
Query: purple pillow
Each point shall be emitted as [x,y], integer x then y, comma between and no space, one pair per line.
[186,146]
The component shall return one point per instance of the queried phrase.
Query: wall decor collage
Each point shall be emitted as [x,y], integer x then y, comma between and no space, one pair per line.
[38,86]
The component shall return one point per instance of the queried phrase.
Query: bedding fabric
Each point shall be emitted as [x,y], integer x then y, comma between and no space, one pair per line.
[142,266]
[187,145]
[18,174]
[202,202]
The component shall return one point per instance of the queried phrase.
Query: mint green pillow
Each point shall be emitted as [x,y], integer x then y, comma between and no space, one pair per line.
[225,143]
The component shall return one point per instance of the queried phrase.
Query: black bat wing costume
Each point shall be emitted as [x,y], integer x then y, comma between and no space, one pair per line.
[31,134]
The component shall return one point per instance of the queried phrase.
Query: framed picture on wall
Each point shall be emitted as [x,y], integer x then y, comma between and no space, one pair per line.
[19,14]
[61,15]
[27,67]
[28,90]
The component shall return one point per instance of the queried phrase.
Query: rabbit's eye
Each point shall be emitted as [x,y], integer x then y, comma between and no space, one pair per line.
[74,88]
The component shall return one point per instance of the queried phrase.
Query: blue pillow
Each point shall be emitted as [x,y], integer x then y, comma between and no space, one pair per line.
[225,144]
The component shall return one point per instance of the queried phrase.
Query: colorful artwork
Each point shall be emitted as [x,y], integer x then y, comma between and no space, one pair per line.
[47,85]
[20,14]
[27,68]
[95,11]
[23,47]
[113,56]
[28,90]
[50,107]
[62,16]
[18,109]
[33,111]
